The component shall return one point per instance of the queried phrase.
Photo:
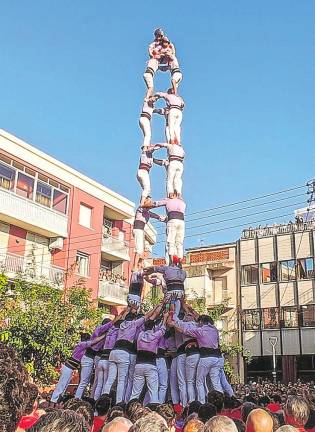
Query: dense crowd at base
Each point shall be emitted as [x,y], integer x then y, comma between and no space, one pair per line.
[257,407]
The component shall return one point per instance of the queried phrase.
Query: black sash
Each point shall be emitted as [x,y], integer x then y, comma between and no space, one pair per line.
[175,285]
[139,224]
[210,352]
[125,345]
[72,363]
[89,352]
[175,215]
[146,357]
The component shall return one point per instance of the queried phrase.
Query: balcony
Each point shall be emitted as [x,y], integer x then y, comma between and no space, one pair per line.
[115,248]
[31,215]
[270,230]
[113,293]
[16,265]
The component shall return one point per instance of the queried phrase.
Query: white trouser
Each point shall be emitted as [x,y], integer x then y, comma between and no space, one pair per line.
[101,373]
[167,133]
[138,235]
[146,373]
[145,126]
[175,229]
[133,300]
[163,378]
[191,369]
[96,360]
[148,77]
[175,117]
[64,381]
[143,178]
[131,372]
[87,365]
[177,77]
[211,366]
[181,378]
[223,380]
[174,177]
[118,365]
[174,382]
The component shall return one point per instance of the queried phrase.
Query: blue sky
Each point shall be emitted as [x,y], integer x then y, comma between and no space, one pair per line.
[71,84]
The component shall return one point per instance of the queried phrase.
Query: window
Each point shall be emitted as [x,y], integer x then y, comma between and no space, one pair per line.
[305,268]
[25,186]
[289,317]
[287,270]
[251,319]
[85,216]
[250,274]
[308,315]
[7,177]
[60,201]
[270,318]
[43,194]
[268,272]
[82,261]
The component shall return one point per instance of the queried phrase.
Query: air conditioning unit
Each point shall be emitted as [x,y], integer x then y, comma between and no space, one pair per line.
[55,243]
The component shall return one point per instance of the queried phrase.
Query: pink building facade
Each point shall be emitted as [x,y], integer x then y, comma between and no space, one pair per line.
[60,226]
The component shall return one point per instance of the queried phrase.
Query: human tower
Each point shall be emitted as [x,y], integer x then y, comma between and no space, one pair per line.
[162,58]
[172,349]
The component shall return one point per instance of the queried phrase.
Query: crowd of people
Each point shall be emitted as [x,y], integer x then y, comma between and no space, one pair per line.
[263,407]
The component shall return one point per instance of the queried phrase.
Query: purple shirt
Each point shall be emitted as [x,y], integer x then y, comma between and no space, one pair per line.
[128,329]
[170,273]
[79,349]
[143,215]
[207,335]
[172,204]
[149,340]
[172,101]
[111,338]
[98,332]
[170,344]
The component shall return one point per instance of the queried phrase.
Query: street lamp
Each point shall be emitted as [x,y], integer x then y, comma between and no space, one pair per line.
[273,342]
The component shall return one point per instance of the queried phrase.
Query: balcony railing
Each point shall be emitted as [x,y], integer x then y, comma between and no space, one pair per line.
[15,265]
[113,293]
[115,246]
[32,214]
[269,230]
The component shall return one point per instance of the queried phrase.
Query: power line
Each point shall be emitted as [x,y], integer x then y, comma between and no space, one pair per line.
[240,217]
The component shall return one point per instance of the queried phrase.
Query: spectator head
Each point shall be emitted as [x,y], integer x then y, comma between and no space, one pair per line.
[194,425]
[167,412]
[263,401]
[130,316]
[276,398]
[132,407]
[230,402]
[259,420]
[119,424]
[247,407]
[220,424]
[13,389]
[216,398]
[206,412]
[240,425]
[139,413]
[60,420]
[194,407]
[287,428]
[32,392]
[152,422]
[250,398]
[84,409]
[115,411]
[102,405]
[310,424]
[296,411]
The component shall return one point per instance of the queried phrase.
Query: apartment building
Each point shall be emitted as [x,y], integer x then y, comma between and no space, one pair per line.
[61,226]
[277,293]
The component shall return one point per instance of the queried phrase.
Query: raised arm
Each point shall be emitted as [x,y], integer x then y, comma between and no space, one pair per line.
[160,162]
[161,95]
[156,216]
[160,111]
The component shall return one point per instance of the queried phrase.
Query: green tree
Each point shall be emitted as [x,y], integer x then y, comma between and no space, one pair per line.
[44,323]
